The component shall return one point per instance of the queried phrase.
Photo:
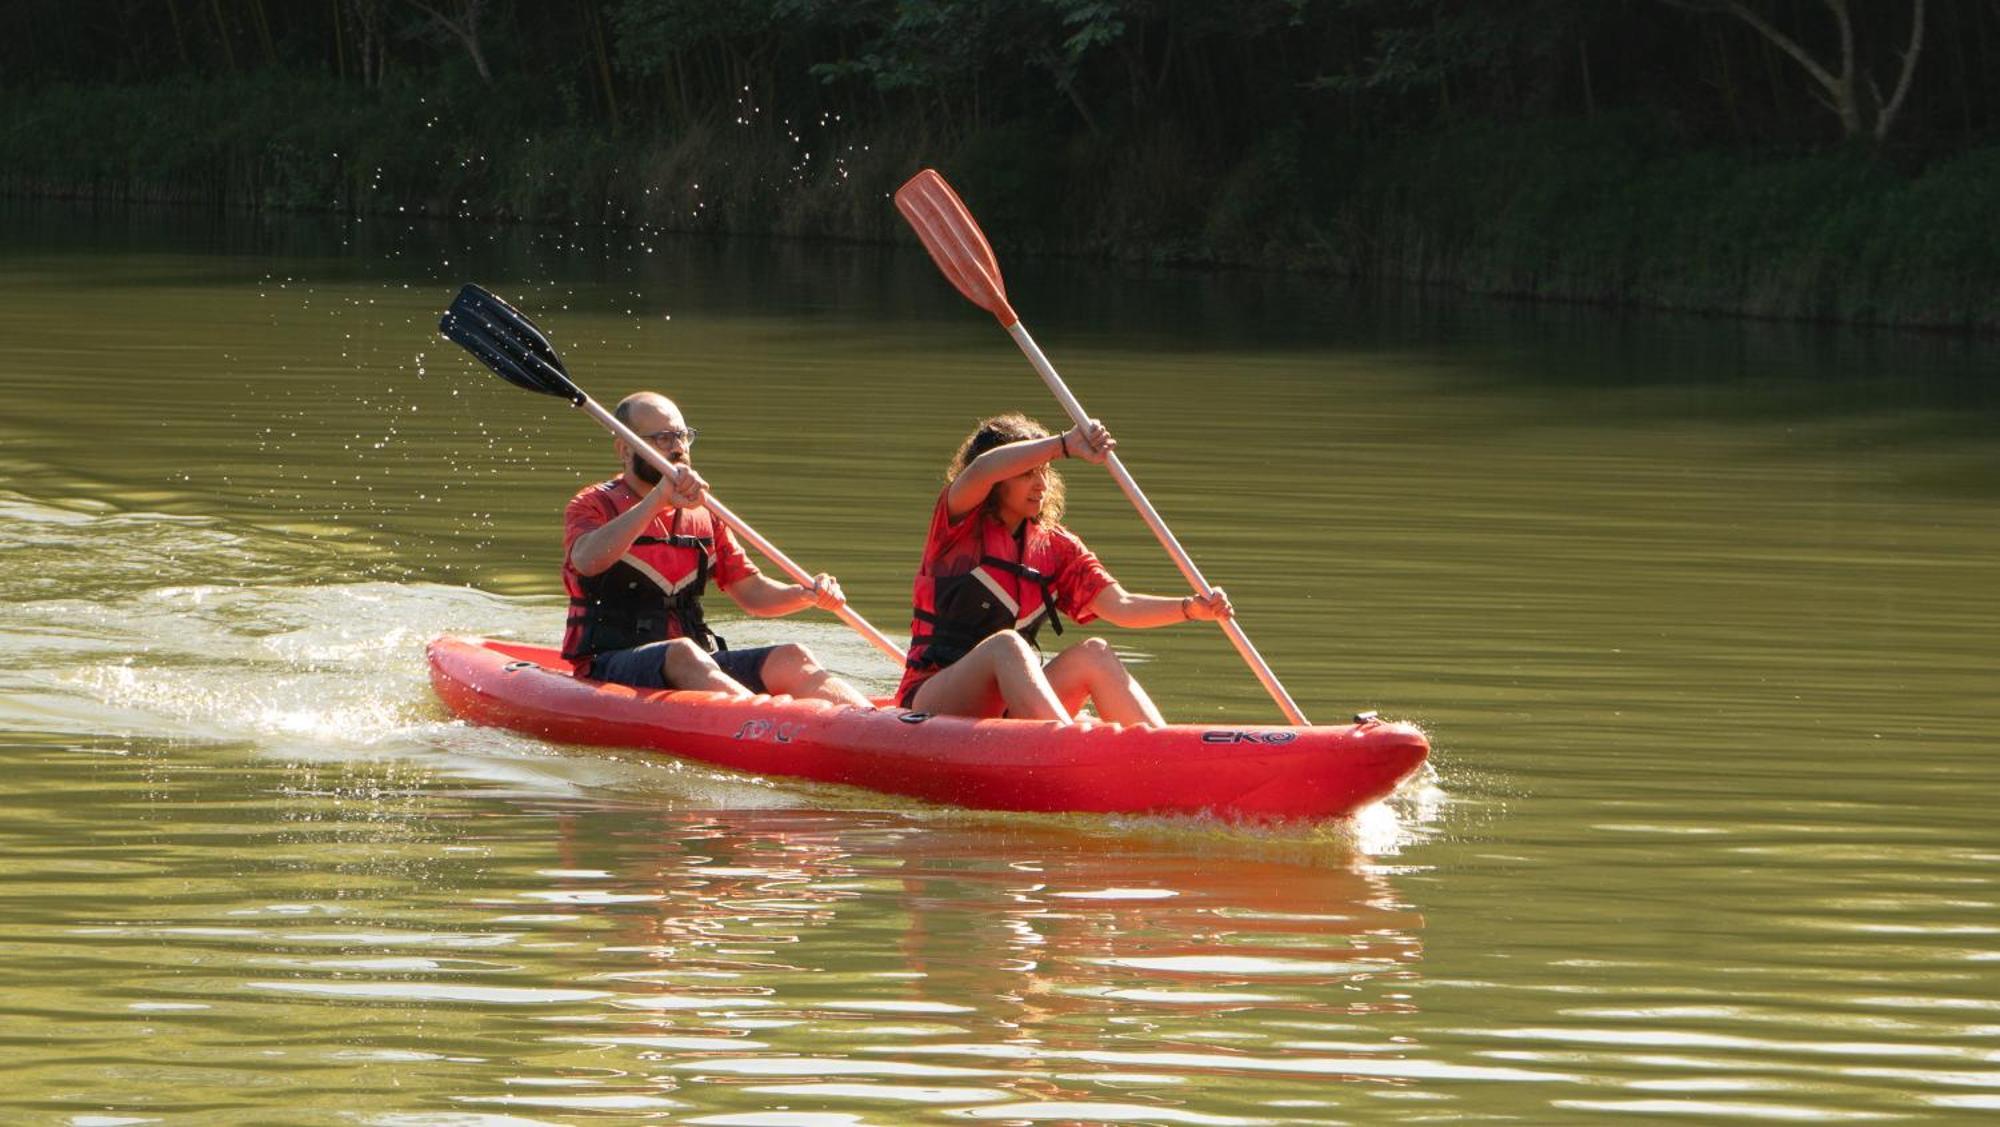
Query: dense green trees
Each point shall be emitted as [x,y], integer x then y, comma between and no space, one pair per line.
[1559,147]
[1756,72]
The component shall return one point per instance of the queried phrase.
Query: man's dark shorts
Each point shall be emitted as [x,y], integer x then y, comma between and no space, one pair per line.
[644,667]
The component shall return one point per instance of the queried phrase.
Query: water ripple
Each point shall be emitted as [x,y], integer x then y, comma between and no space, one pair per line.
[433,992]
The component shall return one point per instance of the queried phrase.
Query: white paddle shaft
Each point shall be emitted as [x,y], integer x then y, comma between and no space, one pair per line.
[1161,532]
[769,550]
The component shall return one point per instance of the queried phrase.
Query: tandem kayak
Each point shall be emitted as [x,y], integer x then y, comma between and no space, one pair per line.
[1237,771]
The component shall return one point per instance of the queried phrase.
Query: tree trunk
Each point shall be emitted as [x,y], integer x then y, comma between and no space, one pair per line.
[1583,71]
[180,40]
[222,33]
[1839,90]
[464,27]
[594,26]
[1887,116]
[263,26]
[339,42]
[367,18]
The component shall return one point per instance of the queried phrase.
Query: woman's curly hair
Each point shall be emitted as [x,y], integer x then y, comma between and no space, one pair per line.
[1000,430]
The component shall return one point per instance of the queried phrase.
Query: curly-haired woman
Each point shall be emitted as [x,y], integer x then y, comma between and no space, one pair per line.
[998,564]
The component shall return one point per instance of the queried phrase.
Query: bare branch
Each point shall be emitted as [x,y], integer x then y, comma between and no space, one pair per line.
[1788,45]
[1836,91]
[1838,9]
[1888,114]
[466,29]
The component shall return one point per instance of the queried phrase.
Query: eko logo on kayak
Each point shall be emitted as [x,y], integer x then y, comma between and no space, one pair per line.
[775,731]
[1227,736]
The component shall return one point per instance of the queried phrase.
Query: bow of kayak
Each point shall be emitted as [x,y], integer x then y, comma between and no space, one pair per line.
[1231,771]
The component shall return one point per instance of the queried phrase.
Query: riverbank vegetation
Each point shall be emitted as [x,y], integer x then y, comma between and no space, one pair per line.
[1803,158]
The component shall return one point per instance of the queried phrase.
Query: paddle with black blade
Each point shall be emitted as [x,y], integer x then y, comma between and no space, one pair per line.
[503,339]
[960,249]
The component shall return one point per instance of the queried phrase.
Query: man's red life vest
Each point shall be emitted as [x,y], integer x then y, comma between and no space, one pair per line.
[978,579]
[653,592]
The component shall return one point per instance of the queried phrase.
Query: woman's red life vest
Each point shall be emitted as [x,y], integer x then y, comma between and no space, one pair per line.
[653,592]
[978,579]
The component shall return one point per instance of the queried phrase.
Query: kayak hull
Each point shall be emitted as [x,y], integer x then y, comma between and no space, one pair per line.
[1240,771]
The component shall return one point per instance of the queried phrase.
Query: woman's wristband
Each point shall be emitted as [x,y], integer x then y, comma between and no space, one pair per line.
[1062,443]
[1186,615]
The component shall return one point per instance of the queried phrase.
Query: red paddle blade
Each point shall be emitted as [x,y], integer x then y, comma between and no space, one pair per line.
[955,242]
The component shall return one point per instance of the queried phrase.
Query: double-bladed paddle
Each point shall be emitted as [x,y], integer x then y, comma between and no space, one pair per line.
[960,249]
[503,339]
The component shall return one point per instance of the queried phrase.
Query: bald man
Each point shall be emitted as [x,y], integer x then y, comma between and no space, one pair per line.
[639,552]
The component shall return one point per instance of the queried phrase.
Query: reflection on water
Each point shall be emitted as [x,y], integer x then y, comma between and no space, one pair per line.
[1701,616]
[575,957]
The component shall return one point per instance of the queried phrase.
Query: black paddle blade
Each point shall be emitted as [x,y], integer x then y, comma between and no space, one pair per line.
[506,341]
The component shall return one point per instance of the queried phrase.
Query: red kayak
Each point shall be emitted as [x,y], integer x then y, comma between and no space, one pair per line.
[1243,771]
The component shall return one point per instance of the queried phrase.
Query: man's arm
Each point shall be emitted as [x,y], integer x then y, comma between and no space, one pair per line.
[767,598]
[595,551]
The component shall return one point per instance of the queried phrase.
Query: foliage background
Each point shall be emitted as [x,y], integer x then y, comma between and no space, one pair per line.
[1656,152]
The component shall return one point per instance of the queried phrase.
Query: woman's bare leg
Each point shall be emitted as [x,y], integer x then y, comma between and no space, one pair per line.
[1090,670]
[1001,674]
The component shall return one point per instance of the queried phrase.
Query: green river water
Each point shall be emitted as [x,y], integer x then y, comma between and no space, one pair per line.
[1702,617]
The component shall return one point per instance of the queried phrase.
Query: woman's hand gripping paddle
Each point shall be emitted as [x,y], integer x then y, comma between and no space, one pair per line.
[961,251]
[506,341]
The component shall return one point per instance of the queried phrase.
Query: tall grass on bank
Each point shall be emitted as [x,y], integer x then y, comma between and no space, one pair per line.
[1605,210]
[1613,211]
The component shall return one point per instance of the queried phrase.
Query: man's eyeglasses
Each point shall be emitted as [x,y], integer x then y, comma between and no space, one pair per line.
[671,434]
